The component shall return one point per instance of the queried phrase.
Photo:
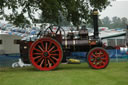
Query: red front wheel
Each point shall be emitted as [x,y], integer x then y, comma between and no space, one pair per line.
[98,58]
[45,54]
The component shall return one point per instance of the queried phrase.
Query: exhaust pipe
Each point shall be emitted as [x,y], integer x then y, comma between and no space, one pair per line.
[95,24]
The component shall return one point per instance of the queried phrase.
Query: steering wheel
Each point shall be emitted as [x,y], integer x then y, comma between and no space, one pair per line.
[54,32]
[51,31]
[41,32]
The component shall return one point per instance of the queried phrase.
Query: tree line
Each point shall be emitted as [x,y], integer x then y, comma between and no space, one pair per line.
[115,22]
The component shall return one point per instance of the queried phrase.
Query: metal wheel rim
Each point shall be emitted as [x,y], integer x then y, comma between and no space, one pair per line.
[46,54]
[96,63]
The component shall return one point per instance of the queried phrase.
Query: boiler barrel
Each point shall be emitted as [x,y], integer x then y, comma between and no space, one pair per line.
[74,42]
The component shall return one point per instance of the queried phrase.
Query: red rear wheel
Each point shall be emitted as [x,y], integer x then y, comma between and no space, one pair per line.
[98,58]
[46,54]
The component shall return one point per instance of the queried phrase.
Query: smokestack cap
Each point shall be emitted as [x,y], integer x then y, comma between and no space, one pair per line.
[95,12]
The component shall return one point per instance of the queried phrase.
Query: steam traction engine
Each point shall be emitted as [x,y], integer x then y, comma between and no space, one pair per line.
[47,52]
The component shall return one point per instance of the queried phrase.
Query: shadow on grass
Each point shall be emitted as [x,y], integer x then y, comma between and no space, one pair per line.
[73,67]
[59,68]
[24,69]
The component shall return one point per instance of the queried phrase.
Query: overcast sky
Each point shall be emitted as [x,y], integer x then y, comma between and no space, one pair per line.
[119,8]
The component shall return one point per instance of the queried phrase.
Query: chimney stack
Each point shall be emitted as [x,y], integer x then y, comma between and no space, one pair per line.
[95,23]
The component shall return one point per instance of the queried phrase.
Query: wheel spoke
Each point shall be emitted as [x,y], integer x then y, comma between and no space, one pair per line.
[102,63]
[49,63]
[54,58]
[49,45]
[41,48]
[41,63]
[92,58]
[97,53]
[39,60]
[54,54]
[51,49]
[37,57]
[103,58]
[45,62]
[37,53]
[94,61]
[42,45]
[37,50]
[94,55]
[54,51]
[102,54]
[46,46]
[51,60]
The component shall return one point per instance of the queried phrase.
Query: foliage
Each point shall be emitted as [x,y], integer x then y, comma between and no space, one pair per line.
[116,22]
[73,11]
[106,21]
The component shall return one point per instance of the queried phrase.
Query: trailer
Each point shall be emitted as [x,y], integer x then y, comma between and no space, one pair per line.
[50,48]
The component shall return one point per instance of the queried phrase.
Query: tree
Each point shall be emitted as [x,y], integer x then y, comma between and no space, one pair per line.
[100,23]
[106,22]
[75,11]
[116,22]
[124,21]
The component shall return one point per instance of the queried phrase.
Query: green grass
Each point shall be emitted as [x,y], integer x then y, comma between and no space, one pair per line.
[70,74]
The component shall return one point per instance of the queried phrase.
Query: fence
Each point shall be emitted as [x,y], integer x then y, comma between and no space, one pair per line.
[115,56]
[7,60]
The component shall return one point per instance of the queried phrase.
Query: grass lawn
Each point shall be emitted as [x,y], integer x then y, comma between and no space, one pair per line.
[67,74]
